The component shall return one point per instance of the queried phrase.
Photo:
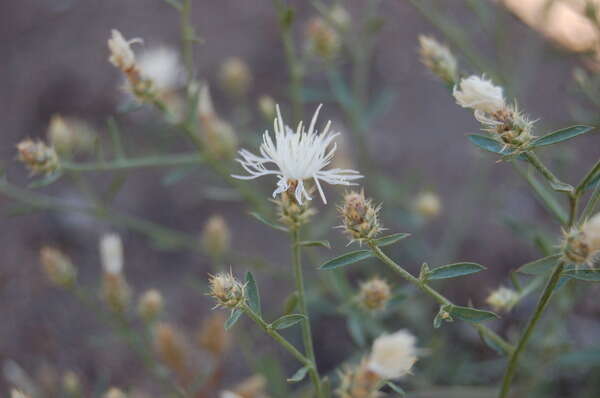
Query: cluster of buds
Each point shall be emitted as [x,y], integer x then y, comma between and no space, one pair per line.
[321,39]
[227,290]
[114,392]
[360,217]
[503,122]
[150,305]
[70,135]
[428,205]
[115,291]
[374,294]
[252,387]
[212,336]
[216,237]
[581,245]
[290,212]
[217,136]
[438,59]
[503,299]
[58,267]
[235,77]
[38,157]
[171,348]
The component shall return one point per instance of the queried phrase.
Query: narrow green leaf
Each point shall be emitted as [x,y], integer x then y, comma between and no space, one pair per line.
[252,293]
[593,182]
[561,135]
[588,275]
[233,318]
[299,375]
[471,314]
[396,388]
[290,303]
[540,266]
[489,144]
[391,239]
[263,220]
[454,270]
[346,259]
[287,320]
[321,243]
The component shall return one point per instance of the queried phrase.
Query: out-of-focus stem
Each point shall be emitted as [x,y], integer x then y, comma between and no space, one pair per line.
[134,163]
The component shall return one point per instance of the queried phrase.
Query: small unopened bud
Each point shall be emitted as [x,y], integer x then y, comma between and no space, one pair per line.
[71,383]
[359,217]
[428,205]
[115,290]
[581,245]
[290,212]
[503,299]
[228,291]
[217,136]
[216,238]
[438,59]
[212,336]
[235,76]
[115,393]
[374,294]
[38,157]
[58,267]
[321,39]
[69,135]
[171,348]
[150,305]
[266,106]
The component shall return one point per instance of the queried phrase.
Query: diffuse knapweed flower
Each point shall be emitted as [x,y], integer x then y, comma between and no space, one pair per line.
[393,355]
[503,299]
[227,290]
[360,219]
[38,157]
[291,213]
[581,245]
[374,294]
[438,59]
[505,123]
[115,289]
[58,267]
[297,156]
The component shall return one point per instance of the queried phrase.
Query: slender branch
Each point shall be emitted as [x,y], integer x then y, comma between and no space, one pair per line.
[556,184]
[133,163]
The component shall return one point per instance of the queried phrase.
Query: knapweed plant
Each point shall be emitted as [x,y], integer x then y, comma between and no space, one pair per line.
[398,318]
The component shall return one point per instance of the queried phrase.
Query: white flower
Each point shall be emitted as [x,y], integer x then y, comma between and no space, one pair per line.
[503,298]
[111,253]
[393,355]
[121,54]
[479,94]
[297,156]
[161,66]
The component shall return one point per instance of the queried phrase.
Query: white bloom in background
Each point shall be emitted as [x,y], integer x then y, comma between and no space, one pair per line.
[479,94]
[229,394]
[111,253]
[393,355]
[503,299]
[297,156]
[121,54]
[161,65]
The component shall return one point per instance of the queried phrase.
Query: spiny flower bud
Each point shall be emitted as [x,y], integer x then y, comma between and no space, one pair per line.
[58,267]
[71,383]
[321,39]
[358,382]
[38,157]
[393,355]
[150,305]
[218,137]
[428,205]
[69,135]
[216,238]
[266,106]
[503,299]
[235,76]
[359,217]
[374,294]
[171,348]
[228,291]
[438,59]
[581,245]
[212,336]
[290,212]
[115,393]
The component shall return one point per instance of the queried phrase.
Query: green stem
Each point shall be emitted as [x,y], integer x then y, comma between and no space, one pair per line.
[539,310]
[306,332]
[439,298]
[556,184]
[187,39]
[133,163]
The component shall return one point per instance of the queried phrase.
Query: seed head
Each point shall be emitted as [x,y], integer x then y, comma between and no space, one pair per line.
[235,76]
[503,299]
[150,305]
[216,237]
[217,136]
[58,267]
[71,383]
[374,294]
[359,217]
[38,157]
[67,134]
[290,212]
[227,290]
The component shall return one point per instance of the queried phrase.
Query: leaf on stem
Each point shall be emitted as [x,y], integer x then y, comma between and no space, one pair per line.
[489,144]
[391,239]
[471,314]
[561,135]
[312,243]
[252,293]
[299,375]
[233,318]
[287,320]
[346,259]
[540,266]
[453,271]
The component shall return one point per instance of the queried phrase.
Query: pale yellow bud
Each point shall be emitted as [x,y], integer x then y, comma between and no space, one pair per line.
[235,77]
[115,393]
[266,106]
[374,294]
[68,135]
[150,305]
[359,217]
[71,383]
[227,290]
[290,212]
[340,17]
[503,299]
[38,157]
[218,136]
[321,39]
[428,205]
[116,292]
[216,238]
[58,267]
[359,382]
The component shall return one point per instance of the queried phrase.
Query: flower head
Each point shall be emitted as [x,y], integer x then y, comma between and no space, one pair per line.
[58,267]
[360,217]
[121,54]
[393,355]
[438,59]
[227,290]
[581,244]
[480,94]
[374,294]
[503,299]
[161,65]
[150,305]
[111,252]
[297,156]
[428,204]
[38,157]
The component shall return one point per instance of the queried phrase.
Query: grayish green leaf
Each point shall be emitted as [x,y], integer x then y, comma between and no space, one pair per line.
[453,270]
[287,320]
[471,314]
[233,318]
[561,135]
[263,220]
[540,266]
[252,293]
[299,375]
[391,239]
[346,259]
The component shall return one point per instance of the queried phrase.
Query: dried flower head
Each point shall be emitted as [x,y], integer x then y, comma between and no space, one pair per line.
[581,245]
[171,348]
[121,54]
[150,305]
[212,335]
[438,59]
[68,134]
[58,267]
[217,136]
[115,393]
[297,156]
[393,355]
[358,382]
[374,294]
[216,237]
[360,219]
[38,157]
[503,299]
[321,39]
[266,106]
[111,253]
[115,292]
[227,290]
[235,76]
[479,94]
[428,205]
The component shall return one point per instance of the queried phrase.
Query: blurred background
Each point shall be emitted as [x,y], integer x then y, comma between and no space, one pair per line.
[55,61]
